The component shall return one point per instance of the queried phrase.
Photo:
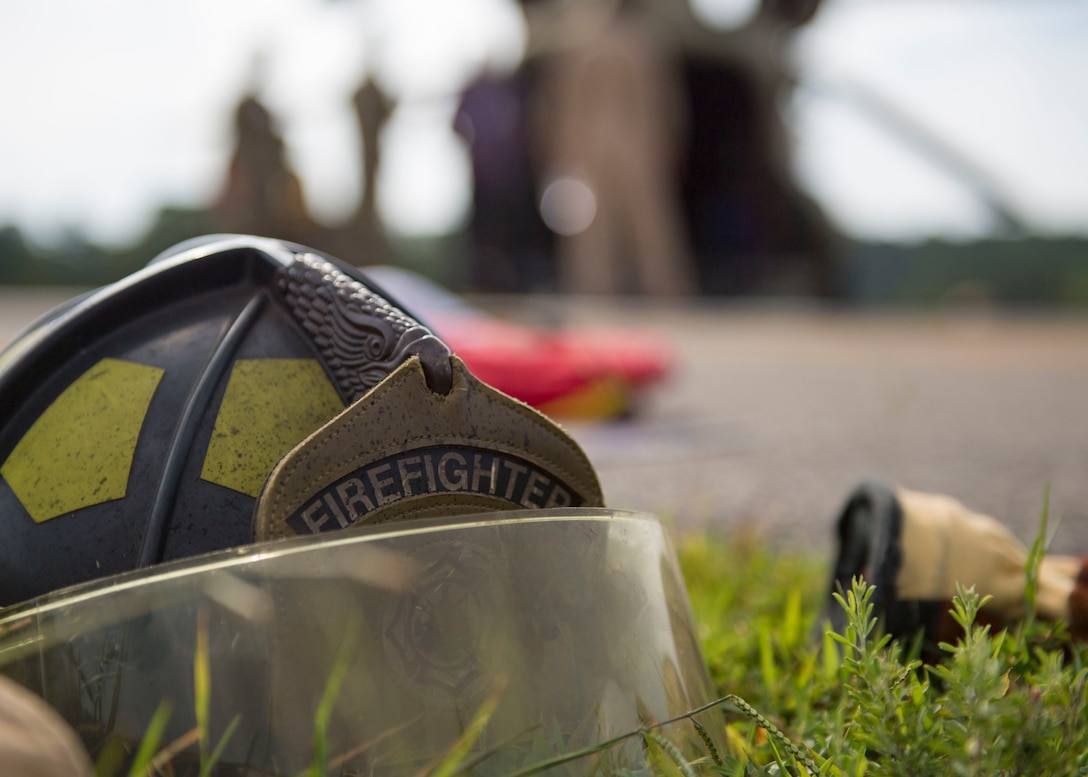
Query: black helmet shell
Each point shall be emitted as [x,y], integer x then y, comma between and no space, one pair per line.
[140,421]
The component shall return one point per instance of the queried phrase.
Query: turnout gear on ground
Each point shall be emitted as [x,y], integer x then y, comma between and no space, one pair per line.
[916,547]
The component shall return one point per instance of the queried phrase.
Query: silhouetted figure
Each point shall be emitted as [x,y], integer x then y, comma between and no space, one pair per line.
[756,232]
[725,167]
[511,247]
[615,119]
[263,196]
[373,109]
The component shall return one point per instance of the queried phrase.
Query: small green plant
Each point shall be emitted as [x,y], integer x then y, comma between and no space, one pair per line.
[1011,702]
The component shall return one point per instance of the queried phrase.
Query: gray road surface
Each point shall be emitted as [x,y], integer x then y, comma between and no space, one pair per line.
[772,415]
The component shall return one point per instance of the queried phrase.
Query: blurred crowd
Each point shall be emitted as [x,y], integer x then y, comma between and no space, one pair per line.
[634,150]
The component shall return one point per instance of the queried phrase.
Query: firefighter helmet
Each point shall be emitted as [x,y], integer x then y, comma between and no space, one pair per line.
[141,421]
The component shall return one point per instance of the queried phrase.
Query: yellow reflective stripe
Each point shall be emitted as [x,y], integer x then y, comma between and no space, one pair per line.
[269,406]
[79,452]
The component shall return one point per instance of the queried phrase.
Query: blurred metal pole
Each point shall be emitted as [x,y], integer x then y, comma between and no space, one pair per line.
[875,106]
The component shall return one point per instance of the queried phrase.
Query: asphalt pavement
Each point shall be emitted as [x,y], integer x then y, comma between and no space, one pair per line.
[773,413]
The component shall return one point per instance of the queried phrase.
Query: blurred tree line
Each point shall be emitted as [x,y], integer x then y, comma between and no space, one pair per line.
[742,228]
[76,261]
[1034,271]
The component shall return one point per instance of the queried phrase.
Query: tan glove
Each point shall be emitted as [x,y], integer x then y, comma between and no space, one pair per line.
[915,547]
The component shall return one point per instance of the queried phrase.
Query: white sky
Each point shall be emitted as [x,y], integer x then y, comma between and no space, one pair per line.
[112,108]
[1001,81]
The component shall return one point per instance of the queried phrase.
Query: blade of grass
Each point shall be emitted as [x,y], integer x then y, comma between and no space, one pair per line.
[150,741]
[790,630]
[767,664]
[164,756]
[110,758]
[472,763]
[346,756]
[832,659]
[202,682]
[452,762]
[207,766]
[1035,558]
[319,766]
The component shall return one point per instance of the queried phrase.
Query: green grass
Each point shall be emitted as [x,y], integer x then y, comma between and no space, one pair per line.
[1013,702]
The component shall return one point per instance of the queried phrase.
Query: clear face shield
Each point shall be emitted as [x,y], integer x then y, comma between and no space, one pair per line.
[516,636]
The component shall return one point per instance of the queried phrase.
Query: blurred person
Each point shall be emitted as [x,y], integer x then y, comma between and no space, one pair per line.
[512,247]
[613,120]
[263,195]
[754,230]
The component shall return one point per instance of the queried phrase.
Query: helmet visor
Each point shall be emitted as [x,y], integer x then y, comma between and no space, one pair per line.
[373,652]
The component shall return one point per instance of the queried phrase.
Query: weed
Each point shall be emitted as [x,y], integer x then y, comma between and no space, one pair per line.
[1011,702]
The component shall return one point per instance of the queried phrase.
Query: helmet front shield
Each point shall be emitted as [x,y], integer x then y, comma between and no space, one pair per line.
[574,625]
